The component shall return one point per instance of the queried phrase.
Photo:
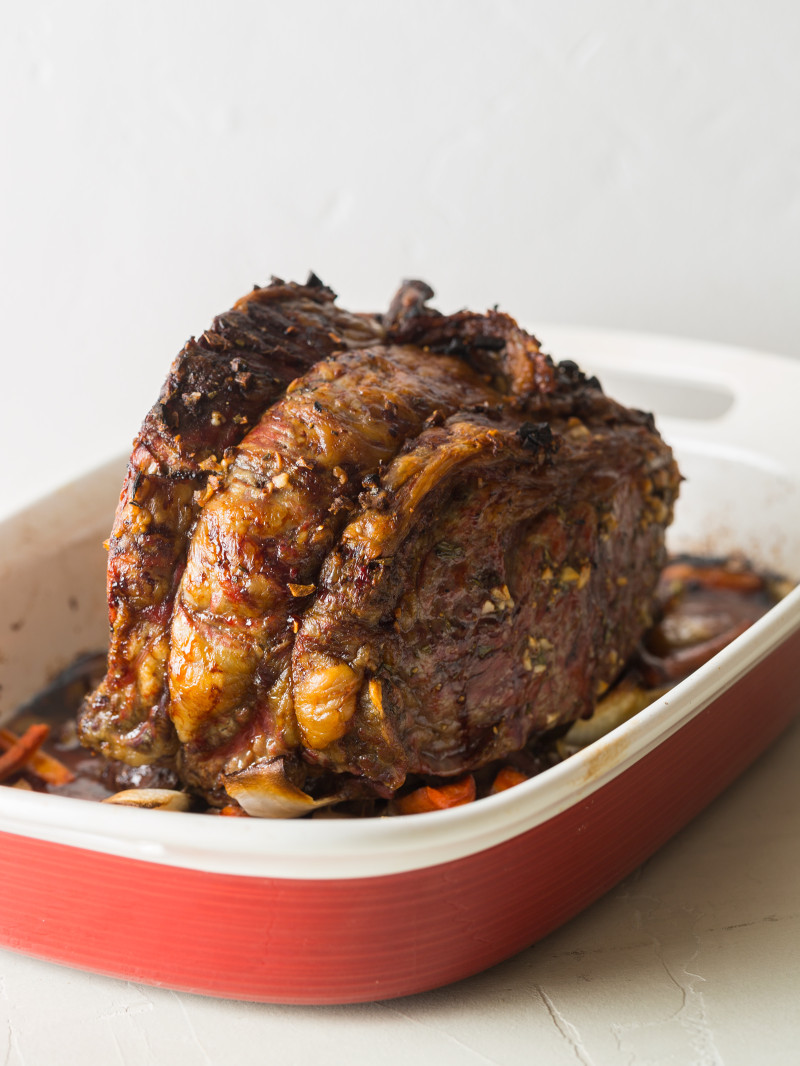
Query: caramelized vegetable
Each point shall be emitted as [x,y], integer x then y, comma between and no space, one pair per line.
[232,811]
[508,777]
[19,753]
[735,578]
[43,765]
[438,799]
[152,799]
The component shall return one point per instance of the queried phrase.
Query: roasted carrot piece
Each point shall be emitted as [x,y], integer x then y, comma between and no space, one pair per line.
[45,766]
[718,577]
[507,778]
[438,799]
[21,751]
[233,812]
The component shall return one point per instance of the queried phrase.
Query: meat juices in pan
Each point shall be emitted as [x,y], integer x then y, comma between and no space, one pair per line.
[431,545]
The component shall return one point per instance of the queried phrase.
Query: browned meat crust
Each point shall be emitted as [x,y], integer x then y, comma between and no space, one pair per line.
[432,545]
[261,539]
[217,388]
[492,595]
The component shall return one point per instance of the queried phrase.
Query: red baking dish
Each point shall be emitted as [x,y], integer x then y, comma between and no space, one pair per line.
[337,911]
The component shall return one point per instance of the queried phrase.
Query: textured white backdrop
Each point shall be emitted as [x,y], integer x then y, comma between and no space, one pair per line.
[620,163]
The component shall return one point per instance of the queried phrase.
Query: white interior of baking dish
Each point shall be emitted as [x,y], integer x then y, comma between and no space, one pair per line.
[728,414]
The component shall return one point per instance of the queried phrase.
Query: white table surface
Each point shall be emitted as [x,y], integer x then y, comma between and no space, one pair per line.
[693,959]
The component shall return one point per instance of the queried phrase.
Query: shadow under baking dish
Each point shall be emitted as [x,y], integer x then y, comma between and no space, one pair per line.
[344,911]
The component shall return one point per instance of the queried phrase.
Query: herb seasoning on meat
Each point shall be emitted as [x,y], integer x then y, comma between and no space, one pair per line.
[353,550]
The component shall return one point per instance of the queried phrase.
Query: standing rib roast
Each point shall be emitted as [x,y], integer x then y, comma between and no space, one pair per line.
[350,548]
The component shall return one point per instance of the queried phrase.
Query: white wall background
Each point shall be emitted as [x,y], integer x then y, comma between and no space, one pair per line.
[622,163]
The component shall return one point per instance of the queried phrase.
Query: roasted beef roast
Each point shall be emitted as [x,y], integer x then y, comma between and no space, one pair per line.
[351,548]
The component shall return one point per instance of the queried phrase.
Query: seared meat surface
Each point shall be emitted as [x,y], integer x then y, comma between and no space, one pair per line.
[216,390]
[351,548]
